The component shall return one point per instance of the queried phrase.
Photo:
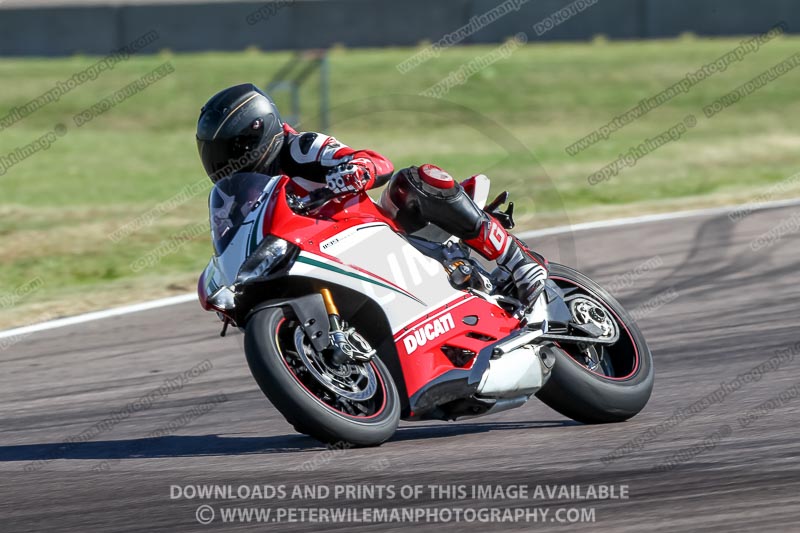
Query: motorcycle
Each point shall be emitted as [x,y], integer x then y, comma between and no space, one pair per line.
[351,324]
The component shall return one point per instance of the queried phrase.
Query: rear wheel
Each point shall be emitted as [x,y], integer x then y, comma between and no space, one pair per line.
[353,404]
[598,383]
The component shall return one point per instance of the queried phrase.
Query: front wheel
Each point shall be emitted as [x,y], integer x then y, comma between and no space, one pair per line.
[353,404]
[598,383]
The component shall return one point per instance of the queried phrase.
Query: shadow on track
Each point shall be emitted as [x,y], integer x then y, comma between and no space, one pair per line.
[209,445]
[435,431]
[153,447]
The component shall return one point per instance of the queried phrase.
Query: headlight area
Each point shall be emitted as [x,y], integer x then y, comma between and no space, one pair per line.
[272,258]
[222,301]
[272,254]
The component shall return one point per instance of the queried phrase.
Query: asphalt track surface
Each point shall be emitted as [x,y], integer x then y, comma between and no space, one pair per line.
[711,307]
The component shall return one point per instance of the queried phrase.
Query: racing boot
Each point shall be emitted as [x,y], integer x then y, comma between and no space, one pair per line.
[528,269]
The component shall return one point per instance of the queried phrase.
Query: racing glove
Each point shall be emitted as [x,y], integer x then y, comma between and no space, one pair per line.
[347,178]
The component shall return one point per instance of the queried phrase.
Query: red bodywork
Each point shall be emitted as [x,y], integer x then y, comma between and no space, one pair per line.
[334,217]
[471,322]
[425,363]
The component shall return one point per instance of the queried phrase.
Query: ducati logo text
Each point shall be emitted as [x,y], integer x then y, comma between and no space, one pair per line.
[428,332]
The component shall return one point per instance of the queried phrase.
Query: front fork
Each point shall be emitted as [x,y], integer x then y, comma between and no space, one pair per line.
[348,344]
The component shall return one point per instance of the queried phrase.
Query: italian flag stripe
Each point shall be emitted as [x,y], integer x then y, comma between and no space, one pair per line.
[314,262]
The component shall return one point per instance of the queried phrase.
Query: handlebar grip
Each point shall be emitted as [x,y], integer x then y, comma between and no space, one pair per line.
[323,193]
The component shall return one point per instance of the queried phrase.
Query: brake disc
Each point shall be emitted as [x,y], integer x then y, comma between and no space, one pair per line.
[353,381]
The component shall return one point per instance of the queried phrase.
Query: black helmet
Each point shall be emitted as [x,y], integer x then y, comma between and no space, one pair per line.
[239,130]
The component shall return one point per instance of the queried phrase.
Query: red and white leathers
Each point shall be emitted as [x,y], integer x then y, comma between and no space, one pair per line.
[315,160]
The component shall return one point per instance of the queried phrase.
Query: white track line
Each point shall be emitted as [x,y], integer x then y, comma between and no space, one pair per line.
[184,298]
[657,218]
[97,315]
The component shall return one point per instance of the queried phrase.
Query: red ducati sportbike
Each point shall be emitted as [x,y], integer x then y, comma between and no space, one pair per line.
[351,324]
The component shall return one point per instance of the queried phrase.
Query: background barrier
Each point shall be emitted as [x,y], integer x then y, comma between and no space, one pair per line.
[30,28]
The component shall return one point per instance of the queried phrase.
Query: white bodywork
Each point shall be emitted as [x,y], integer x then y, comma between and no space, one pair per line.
[404,282]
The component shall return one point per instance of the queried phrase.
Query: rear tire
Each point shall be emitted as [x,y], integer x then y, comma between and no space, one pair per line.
[587,396]
[267,351]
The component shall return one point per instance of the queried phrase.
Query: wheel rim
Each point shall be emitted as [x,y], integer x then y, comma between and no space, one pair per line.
[356,391]
[618,361]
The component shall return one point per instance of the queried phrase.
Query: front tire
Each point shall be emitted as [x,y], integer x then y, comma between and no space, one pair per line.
[312,409]
[613,390]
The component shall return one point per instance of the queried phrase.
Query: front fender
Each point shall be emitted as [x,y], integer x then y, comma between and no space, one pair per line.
[310,312]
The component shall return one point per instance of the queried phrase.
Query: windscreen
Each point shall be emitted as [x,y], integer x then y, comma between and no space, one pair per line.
[230,202]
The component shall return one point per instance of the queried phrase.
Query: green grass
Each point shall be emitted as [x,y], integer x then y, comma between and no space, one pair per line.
[511,120]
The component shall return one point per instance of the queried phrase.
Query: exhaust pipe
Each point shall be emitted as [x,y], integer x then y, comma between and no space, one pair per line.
[518,372]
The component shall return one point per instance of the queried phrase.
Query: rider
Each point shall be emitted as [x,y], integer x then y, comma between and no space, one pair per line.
[240,131]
